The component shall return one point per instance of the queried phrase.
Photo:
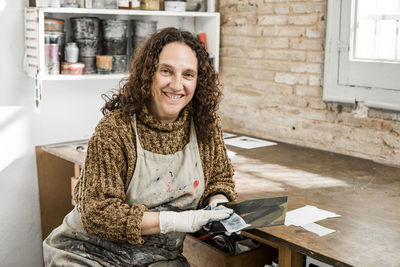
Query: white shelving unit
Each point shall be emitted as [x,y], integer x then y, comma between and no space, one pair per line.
[195,22]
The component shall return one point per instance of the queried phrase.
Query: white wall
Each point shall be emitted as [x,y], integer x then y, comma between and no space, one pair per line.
[69,111]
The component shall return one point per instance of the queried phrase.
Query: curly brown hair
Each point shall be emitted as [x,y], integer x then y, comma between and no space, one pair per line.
[135,91]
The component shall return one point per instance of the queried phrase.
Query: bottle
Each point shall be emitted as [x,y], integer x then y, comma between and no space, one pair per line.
[124,4]
[150,4]
[135,4]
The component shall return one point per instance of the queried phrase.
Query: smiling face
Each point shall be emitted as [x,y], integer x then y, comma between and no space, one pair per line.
[174,81]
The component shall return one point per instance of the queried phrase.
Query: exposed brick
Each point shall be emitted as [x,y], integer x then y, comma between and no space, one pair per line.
[242,52]
[317,103]
[238,19]
[233,73]
[287,31]
[315,56]
[291,55]
[272,20]
[308,19]
[281,9]
[246,8]
[315,80]
[242,30]
[306,67]
[291,78]
[303,90]
[306,44]
[247,41]
[316,31]
[305,8]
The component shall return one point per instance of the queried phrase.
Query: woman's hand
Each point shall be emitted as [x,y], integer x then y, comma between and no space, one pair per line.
[191,220]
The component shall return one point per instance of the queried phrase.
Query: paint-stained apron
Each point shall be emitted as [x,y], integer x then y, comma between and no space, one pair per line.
[161,182]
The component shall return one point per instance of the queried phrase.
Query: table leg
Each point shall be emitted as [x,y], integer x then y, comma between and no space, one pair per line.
[289,258]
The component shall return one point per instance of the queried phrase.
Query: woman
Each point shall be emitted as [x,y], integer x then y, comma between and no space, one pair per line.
[156,156]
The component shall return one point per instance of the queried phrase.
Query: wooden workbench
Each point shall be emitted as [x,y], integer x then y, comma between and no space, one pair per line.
[364,193]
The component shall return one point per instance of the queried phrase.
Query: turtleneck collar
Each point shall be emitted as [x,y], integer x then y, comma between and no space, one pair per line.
[150,121]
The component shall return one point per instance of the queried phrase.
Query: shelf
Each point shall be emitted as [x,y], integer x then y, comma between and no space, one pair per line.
[62,77]
[128,12]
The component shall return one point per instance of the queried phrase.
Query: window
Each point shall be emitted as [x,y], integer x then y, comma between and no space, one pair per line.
[362,53]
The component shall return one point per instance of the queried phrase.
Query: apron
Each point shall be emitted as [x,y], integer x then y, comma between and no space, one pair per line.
[161,182]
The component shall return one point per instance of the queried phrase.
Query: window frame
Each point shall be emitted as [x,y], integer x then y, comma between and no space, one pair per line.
[337,46]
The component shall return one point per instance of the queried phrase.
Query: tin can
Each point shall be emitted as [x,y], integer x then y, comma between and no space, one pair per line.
[72,68]
[51,53]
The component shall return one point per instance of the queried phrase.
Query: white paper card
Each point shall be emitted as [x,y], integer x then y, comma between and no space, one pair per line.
[318,229]
[230,153]
[306,215]
[228,135]
[248,142]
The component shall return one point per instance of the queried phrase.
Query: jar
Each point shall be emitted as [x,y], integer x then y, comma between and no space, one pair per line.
[71,53]
[150,4]
[124,4]
[179,5]
[135,4]
[69,3]
[108,4]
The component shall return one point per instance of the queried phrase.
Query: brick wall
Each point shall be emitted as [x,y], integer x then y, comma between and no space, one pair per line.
[271,68]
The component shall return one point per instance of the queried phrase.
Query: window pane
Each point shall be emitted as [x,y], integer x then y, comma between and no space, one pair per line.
[376,30]
[365,36]
[386,40]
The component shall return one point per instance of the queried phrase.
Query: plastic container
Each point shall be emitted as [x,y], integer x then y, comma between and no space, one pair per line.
[53,25]
[72,68]
[85,27]
[114,28]
[179,6]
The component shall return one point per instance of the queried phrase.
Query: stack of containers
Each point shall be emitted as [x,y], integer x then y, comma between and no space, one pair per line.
[115,41]
[141,31]
[54,39]
[86,33]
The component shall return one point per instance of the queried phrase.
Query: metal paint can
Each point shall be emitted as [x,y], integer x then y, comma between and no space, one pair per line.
[114,28]
[90,64]
[119,63]
[51,53]
[141,31]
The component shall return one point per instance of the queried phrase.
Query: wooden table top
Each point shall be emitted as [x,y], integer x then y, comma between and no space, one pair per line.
[364,193]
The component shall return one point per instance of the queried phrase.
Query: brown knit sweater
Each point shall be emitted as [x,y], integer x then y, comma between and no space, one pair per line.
[110,163]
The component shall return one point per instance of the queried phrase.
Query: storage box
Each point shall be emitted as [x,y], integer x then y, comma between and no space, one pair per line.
[200,254]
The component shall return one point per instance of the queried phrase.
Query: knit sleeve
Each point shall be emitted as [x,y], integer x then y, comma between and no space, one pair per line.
[103,183]
[219,170]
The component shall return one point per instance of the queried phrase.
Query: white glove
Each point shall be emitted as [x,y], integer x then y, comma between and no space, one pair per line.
[191,220]
[215,202]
